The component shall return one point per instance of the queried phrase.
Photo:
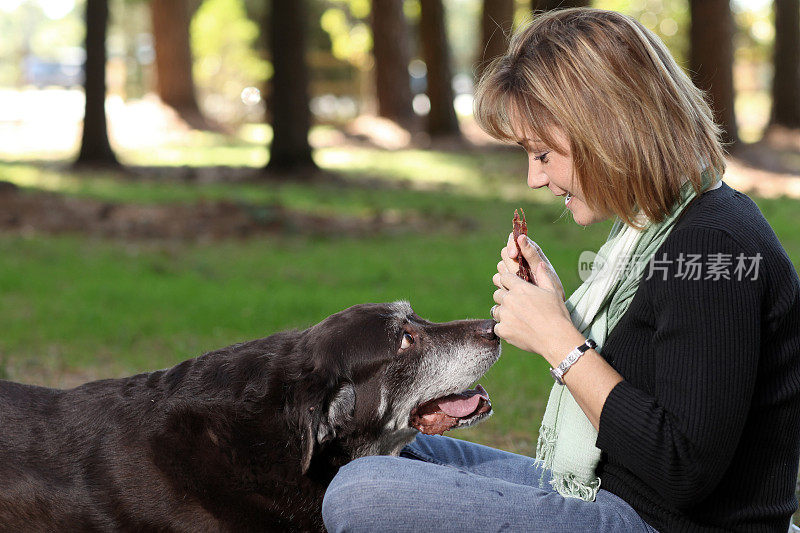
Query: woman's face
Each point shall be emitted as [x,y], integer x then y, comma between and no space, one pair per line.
[546,167]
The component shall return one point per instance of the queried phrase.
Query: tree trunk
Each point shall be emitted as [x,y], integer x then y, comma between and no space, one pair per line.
[174,81]
[786,59]
[391,53]
[442,116]
[549,5]
[711,60]
[95,148]
[497,20]
[291,117]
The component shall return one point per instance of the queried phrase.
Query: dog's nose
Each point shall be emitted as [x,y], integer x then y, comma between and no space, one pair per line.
[486,329]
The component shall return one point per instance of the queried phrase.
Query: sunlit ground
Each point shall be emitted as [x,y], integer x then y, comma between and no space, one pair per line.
[45,126]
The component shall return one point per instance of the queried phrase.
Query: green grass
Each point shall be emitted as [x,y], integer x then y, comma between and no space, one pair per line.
[75,306]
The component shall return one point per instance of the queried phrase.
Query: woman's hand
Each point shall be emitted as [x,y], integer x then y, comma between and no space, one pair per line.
[534,255]
[532,317]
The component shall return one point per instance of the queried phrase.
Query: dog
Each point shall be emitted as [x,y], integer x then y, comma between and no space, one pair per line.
[245,438]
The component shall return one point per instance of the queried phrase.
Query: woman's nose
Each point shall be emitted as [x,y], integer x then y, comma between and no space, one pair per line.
[536,178]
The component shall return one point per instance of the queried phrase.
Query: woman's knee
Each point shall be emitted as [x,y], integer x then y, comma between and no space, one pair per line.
[358,490]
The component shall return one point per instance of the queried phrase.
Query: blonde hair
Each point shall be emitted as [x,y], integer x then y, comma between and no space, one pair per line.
[637,126]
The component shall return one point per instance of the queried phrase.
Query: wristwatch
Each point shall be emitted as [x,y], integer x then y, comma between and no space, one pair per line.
[569,360]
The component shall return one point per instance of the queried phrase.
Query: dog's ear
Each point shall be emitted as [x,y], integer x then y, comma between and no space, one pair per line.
[323,420]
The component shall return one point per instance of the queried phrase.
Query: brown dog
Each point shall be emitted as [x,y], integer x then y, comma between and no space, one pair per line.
[245,438]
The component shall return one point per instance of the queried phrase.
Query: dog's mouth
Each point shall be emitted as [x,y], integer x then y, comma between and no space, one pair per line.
[463,409]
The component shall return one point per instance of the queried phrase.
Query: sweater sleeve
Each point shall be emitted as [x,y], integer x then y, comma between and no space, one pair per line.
[679,436]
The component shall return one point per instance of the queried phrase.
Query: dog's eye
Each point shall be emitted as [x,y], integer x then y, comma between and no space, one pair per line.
[407,341]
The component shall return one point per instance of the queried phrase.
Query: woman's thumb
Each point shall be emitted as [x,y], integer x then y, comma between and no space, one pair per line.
[529,251]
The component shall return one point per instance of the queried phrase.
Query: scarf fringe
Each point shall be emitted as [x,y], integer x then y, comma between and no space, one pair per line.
[546,444]
[567,485]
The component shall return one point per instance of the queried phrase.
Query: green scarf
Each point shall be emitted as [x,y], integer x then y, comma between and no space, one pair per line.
[567,439]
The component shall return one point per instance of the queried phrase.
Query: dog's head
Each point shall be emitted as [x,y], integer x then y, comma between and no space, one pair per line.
[379,373]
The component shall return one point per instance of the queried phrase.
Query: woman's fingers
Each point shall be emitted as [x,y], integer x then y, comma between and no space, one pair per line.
[502,268]
[535,256]
[531,252]
[509,254]
[498,296]
[509,281]
[511,247]
[506,281]
[496,279]
[509,264]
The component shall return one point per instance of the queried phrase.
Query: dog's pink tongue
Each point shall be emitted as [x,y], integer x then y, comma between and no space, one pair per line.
[463,403]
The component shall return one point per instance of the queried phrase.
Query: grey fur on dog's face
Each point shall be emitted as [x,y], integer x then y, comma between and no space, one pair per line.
[444,358]
[388,378]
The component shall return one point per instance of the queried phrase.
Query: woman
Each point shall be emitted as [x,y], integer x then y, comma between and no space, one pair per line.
[684,413]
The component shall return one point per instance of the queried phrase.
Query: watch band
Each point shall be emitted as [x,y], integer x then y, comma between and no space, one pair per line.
[570,359]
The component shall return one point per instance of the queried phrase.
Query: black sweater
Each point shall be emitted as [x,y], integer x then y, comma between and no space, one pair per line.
[703,434]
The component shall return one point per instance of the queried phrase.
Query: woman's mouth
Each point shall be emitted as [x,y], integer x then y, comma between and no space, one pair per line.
[567,199]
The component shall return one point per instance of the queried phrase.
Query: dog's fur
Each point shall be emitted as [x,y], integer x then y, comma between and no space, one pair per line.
[245,438]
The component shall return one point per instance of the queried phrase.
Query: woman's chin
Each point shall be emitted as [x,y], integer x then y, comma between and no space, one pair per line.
[580,221]
[583,216]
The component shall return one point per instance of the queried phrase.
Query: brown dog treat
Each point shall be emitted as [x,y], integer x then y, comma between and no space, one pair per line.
[521,228]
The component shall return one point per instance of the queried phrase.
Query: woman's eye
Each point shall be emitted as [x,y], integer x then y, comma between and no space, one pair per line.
[407,341]
[543,157]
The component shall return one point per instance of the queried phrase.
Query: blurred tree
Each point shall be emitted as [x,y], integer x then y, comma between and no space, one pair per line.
[391,52]
[786,60]
[338,54]
[548,5]
[95,148]
[288,102]
[497,19]
[229,55]
[174,80]
[711,60]
[347,32]
[435,51]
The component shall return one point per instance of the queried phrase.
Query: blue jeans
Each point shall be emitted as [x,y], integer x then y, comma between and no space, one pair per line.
[460,486]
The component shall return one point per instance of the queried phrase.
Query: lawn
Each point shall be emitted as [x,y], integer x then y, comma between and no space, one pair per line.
[77,307]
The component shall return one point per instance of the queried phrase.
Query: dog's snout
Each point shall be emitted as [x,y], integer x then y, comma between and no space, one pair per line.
[486,329]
